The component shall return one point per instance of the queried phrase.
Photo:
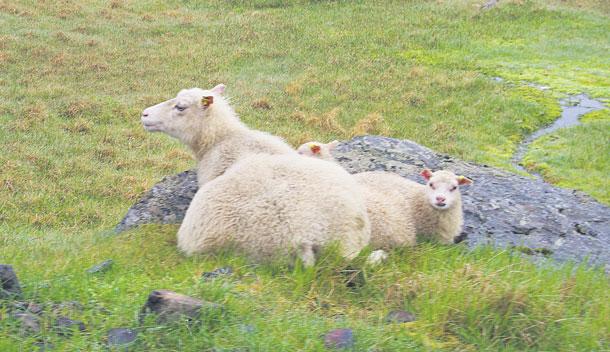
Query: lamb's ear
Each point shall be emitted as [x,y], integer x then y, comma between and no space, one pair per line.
[332,145]
[207,101]
[463,180]
[219,89]
[426,173]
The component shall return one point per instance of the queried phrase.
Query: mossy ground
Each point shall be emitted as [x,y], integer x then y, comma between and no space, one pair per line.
[76,74]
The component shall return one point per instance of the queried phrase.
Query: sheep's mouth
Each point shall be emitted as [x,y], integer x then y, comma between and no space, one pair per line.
[152,126]
[440,205]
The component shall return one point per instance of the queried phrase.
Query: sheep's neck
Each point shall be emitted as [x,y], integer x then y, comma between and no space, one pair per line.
[217,129]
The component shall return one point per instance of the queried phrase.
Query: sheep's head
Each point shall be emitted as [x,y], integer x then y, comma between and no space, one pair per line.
[442,188]
[318,150]
[183,115]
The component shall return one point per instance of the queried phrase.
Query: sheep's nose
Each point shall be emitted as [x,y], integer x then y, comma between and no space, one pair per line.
[440,199]
[145,114]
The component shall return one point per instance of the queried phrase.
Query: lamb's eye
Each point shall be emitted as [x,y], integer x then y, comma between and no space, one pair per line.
[453,188]
[431,185]
[180,108]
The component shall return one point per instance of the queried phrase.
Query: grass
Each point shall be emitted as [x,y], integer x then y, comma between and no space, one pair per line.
[74,77]
[578,157]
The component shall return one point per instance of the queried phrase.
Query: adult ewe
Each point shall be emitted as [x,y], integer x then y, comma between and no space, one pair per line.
[206,123]
[262,204]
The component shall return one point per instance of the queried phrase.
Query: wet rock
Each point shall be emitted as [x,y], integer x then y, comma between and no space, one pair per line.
[501,209]
[66,326]
[170,306]
[101,267]
[28,323]
[9,284]
[121,337]
[399,316]
[339,338]
[224,271]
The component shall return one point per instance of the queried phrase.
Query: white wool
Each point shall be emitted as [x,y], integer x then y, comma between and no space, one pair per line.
[256,193]
[270,204]
[211,130]
[400,209]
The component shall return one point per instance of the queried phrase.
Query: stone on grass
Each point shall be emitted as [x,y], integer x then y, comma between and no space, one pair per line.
[121,337]
[65,326]
[29,323]
[9,285]
[224,271]
[101,267]
[339,338]
[399,316]
[170,307]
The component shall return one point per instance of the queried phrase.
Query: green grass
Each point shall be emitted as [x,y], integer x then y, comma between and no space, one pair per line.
[74,76]
[577,157]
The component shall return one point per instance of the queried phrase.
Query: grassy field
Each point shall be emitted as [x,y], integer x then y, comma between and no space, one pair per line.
[74,76]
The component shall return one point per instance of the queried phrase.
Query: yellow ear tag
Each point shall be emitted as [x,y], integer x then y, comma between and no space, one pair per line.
[207,101]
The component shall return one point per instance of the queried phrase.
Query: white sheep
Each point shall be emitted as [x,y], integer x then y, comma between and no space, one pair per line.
[400,209]
[318,150]
[206,123]
[262,204]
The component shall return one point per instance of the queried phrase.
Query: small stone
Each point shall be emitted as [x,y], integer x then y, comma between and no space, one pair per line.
[399,316]
[44,346]
[247,328]
[224,271]
[65,326]
[29,323]
[170,306]
[339,338]
[101,267]
[67,308]
[121,336]
[9,285]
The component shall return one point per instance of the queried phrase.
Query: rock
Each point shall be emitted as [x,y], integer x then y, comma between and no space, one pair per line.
[339,338]
[65,326]
[44,346]
[66,308]
[399,316]
[501,209]
[9,285]
[30,307]
[29,323]
[224,271]
[121,336]
[101,267]
[171,307]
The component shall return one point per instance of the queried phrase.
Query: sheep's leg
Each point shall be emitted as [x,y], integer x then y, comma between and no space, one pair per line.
[307,254]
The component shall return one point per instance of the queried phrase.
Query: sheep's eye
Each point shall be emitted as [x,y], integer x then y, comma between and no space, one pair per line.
[453,188]
[431,185]
[180,108]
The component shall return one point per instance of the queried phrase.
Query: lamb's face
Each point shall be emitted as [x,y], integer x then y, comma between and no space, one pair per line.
[442,188]
[183,115]
[318,150]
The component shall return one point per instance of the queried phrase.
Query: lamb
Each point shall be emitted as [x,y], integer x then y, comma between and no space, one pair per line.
[206,123]
[400,209]
[265,204]
[319,150]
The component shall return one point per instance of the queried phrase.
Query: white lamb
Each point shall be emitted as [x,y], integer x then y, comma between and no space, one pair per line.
[206,123]
[262,204]
[400,209]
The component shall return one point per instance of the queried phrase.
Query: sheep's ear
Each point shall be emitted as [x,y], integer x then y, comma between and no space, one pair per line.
[463,180]
[219,89]
[332,145]
[315,148]
[207,101]
[426,173]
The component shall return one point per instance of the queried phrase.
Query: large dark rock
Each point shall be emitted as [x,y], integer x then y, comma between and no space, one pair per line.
[9,284]
[501,208]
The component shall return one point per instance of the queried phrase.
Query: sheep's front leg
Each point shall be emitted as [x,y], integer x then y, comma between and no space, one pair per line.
[307,254]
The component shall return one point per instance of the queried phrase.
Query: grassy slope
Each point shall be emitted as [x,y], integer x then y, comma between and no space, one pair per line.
[74,76]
